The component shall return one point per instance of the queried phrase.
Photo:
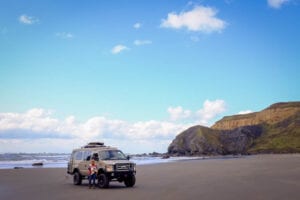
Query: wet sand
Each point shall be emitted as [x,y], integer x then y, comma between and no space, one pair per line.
[253,177]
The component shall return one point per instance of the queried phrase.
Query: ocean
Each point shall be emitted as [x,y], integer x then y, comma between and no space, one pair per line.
[53,160]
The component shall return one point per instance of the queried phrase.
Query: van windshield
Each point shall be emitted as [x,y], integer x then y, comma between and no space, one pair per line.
[112,155]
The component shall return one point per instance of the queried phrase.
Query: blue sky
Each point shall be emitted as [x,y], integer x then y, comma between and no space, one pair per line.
[136,74]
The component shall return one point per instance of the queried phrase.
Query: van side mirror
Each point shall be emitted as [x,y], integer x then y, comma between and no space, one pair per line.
[128,157]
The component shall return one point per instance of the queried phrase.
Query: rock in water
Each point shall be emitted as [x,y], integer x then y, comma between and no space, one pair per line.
[38,164]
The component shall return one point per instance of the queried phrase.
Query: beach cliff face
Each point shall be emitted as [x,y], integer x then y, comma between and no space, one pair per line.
[271,115]
[275,129]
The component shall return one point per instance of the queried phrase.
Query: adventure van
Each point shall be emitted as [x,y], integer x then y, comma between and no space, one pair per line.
[111,163]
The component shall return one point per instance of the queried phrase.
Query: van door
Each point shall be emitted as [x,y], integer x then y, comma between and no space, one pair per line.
[84,164]
[77,160]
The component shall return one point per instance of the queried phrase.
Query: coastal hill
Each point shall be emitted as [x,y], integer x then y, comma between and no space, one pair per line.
[271,115]
[275,129]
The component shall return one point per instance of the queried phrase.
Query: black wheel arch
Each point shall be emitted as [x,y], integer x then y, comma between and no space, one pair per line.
[101,171]
[76,170]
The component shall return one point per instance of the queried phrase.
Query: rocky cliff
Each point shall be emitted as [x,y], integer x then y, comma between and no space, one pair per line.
[275,129]
[271,115]
[200,140]
[196,140]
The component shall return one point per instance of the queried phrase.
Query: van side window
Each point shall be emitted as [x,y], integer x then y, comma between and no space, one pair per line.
[87,155]
[104,155]
[78,155]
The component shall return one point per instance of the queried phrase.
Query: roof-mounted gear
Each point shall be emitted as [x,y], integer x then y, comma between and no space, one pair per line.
[94,145]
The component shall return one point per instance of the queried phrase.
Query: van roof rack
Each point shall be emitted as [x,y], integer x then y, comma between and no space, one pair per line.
[94,145]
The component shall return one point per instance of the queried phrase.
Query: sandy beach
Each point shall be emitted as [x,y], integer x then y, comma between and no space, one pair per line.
[252,177]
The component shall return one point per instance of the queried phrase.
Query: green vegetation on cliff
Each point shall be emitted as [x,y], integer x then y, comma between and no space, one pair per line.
[283,137]
[197,140]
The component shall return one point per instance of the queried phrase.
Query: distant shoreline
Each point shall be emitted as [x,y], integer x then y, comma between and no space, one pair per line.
[139,160]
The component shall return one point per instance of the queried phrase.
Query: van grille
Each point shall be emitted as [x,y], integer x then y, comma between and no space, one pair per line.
[123,167]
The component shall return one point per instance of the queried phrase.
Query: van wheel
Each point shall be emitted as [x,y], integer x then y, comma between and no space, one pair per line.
[130,181]
[103,181]
[77,179]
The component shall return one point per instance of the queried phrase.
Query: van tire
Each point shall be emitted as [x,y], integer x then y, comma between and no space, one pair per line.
[77,179]
[103,181]
[129,181]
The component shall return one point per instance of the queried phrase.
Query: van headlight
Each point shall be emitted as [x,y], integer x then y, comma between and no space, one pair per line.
[109,168]
[134,167]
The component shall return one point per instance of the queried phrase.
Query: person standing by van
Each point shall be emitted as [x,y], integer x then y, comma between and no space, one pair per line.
[92,174]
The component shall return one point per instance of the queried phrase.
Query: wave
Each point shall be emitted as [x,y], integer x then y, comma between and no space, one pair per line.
[51,160]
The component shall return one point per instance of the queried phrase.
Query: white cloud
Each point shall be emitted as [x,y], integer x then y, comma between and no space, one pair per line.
[276,3]
[137,25]
[177,113]
[64,35]
[39,124]
[245,112]
[201,18]
[210,110]
[37,130]
[118,48]
[142,42]
[203,116]
[29,20]
[154,130]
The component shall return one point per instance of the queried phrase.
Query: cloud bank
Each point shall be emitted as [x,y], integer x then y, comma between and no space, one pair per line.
[39,125]
[200,19]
